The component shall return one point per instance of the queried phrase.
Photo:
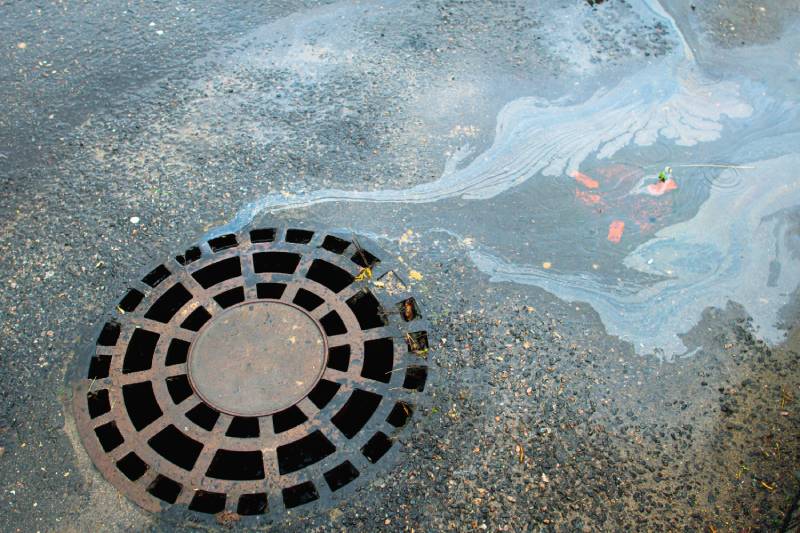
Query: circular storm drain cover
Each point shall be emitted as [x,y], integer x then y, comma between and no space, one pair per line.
[255,373]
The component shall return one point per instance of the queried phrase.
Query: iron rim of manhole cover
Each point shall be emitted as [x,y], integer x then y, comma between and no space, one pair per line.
[325,320]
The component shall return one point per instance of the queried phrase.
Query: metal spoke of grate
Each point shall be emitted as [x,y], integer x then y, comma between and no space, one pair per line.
[165,429]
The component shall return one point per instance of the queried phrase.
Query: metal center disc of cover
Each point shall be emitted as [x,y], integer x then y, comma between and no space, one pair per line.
[256,359]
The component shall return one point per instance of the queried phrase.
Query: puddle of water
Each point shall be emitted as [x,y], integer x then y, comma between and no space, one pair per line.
[567,198]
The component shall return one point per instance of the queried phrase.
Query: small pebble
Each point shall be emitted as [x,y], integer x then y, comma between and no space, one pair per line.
[134,220]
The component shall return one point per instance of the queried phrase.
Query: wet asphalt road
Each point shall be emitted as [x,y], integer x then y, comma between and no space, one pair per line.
[180,114]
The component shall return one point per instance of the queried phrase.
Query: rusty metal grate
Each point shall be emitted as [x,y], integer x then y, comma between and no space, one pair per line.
[254,373]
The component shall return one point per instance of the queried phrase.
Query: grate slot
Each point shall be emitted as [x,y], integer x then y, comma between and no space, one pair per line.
[98,402]
[223,242]
[299,236]
[262,235]
[252,504]
[176,447]
[189,256]
[131,301]
[415,378]
[279,262]
[236,465]
[165,488]
[288,419]
[307,300]
[99,367]
[179,388]
[141,404]
[323,393]
[109,436]
[368,311]
[230,297]
[156,276]
[376,447]
[378,360]
[355,413]
[218,272]
[207,502]
[196,319]
[341,475]
[204,416]
[332,324]
[329,275]
[335,244]
[109,335]
[139,355]
[244,427]
[132,466]
[300,494]
[339,357]
[272,291]
[168,304]
[177,352]
[301,453]
[400,414]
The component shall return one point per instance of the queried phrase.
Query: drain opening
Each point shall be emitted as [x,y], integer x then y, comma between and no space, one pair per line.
[139,355]
[271,291]
[244,428]
[304,452]
[356,412]
[323,393]
[279,262]
[339,357]
[262,235]
[109,436]
[307,300]
[99,403]
[176,447]
[131,301]
[367,310]
[378,360]
[203,416]
[241,465]
[109,335]
[177,352]
[218,272]
[208,502]
[252,504]
[189,256]
[236,465]
[222,242]
[168,304]
[299,236]
[230,297]
[140,402]
[335,244]
[132,466]
[299,494]
[99,367]
[156,276]
[179,388]
[165,488]
[288,419]
[329,275]
[196,319]
[341,475]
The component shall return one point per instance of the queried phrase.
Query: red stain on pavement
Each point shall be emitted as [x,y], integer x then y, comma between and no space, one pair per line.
[657,189]
[587,197]
[615,230]
[585,180]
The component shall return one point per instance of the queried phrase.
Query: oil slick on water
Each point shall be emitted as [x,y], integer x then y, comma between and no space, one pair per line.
[721,235]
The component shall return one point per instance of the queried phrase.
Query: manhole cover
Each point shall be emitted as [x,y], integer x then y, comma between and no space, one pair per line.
[256,372]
